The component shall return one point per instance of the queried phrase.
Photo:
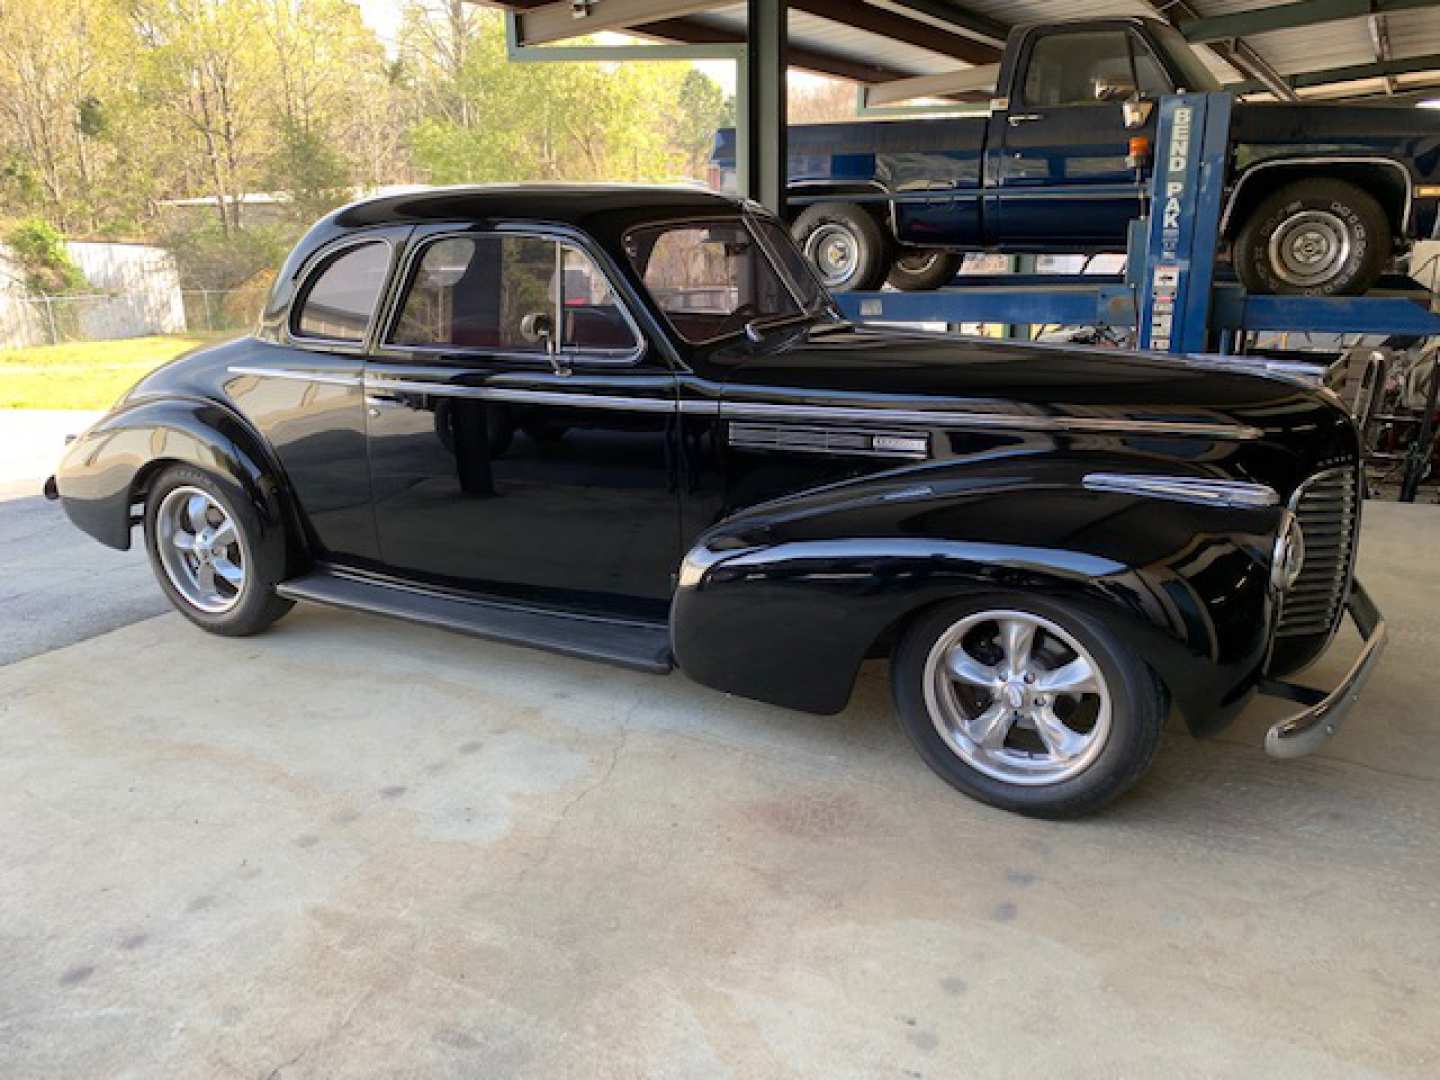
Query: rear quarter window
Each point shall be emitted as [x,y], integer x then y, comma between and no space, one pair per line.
[339,297]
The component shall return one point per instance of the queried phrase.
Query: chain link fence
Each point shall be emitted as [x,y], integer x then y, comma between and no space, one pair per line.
[53,320]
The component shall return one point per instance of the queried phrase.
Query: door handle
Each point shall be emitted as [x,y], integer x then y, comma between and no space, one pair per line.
[1016,119]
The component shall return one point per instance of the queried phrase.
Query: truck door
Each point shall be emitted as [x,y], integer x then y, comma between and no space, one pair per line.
[1059,171]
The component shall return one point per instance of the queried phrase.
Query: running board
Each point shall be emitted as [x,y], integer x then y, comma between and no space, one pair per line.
[637,645]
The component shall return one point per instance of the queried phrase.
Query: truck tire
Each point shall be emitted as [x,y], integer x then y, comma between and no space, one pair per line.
[923,269]
[1027,704]
[845,244]
[1313,237]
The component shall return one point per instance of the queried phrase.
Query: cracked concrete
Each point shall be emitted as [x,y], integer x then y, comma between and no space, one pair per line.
[351,847]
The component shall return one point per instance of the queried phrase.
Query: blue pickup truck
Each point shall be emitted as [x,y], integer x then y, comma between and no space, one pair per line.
[1320,199]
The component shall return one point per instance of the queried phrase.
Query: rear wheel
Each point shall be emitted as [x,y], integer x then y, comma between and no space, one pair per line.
[213,559]
[1314,237]
[1027,704]
[923,269]
[845,244]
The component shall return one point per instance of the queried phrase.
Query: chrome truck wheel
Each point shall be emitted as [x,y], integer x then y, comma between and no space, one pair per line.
[1027,704]
[847,246]
[1313,237]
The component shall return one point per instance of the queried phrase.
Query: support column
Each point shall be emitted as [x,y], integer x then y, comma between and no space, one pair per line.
[764,100]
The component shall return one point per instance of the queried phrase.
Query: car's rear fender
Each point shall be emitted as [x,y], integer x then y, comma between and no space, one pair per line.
[784,607]
[107,469]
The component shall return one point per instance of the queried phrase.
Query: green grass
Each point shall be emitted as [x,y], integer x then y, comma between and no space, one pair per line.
[86,374]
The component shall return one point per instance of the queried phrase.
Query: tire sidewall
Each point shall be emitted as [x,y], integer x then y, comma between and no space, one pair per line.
[1365,223]
[262,551]
[934,275]
[872,252]
[1136,701]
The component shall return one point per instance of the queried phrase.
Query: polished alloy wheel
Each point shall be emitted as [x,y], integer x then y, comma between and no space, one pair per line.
[1309,248]
[835,253]
[1017,698]
[200,549]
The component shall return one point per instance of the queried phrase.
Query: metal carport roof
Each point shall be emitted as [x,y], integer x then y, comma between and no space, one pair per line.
[1306,48]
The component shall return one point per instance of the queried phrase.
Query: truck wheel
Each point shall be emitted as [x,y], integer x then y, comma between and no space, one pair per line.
[1313,237]
[1027,704]
[845,244]
[923,269]
[211,556]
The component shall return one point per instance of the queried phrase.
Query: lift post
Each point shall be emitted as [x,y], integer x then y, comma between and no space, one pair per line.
[1187,196]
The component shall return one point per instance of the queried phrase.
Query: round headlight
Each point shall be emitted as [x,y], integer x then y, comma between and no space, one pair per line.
[1289,557]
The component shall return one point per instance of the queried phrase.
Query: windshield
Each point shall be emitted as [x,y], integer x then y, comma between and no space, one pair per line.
[713,278]
[1195,76]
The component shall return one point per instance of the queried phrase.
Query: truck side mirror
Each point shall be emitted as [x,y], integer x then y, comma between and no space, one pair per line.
[1113,88]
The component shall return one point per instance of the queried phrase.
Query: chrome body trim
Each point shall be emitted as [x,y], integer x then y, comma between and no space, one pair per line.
[1304,732]
[845,442]
[329,378]
[519,395]
[1237,494]
[1327,159]
[764,410]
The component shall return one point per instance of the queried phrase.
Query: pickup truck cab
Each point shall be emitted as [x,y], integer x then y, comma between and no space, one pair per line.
[1320,196]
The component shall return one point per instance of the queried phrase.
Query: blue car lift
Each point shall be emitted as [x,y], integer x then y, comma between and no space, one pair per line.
[1170,288]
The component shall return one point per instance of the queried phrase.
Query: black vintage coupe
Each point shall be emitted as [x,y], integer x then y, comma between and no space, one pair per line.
[628,424]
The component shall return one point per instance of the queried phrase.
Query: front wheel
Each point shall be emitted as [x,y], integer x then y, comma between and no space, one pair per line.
[923,269]
[846,245]
[1314,237]
[212,557]
[1027,704]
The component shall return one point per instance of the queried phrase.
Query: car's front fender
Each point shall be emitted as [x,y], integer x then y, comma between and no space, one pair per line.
[784,607]
[104,470]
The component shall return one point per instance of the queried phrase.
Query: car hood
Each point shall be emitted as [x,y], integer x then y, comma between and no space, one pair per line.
[1035,384]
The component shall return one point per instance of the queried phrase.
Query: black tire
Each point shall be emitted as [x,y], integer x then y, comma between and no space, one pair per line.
[1138,708]
[923,269]
[1336,206]
[851,225]
[262,555]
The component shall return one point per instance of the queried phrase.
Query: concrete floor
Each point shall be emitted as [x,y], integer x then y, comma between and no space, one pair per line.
[350,847]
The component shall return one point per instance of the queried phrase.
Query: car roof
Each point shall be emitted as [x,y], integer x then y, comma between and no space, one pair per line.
[571,204]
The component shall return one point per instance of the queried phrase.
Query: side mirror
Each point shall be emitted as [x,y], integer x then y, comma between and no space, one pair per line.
[538,328]
[1113,88]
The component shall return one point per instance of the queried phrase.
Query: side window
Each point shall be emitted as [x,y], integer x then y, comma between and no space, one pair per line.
[1080,68]
[1149,75]
[338,301]
[477,291]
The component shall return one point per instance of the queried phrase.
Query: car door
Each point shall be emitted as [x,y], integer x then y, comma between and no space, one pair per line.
[520,424]
[1061,174]
[300,384]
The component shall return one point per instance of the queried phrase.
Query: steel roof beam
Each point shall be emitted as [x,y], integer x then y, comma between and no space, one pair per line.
[1235,52]
[971,23]
[576,18]
[698,33]
[1352,73]
[874,20]
[1289,17]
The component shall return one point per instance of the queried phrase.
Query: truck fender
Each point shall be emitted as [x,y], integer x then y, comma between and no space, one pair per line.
[1388,179]
[106,468]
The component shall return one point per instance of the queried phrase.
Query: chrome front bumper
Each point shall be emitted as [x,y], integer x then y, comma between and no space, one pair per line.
[1303,732]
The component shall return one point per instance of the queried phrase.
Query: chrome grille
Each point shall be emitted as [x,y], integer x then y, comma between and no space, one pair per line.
[1327,506]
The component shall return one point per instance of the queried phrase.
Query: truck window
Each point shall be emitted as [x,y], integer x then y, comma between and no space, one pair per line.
[1080,68]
